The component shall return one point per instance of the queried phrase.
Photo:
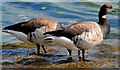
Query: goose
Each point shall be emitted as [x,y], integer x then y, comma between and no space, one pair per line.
[83,35]
[31,31]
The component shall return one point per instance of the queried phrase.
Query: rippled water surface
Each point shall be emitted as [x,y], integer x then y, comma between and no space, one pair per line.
[66,13]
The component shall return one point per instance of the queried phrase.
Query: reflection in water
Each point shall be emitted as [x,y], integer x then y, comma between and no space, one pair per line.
[103,55]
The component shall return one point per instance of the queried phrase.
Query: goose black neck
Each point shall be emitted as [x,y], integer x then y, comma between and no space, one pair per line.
[103,21]
[104,24]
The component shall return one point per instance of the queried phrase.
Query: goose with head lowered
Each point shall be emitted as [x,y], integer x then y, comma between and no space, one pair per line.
[31,31]
[83,35]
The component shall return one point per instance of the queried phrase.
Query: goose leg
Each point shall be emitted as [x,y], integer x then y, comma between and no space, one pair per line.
[70,53]
[79,55]
[83,56]
[70,56]
[44,48]
[38,49]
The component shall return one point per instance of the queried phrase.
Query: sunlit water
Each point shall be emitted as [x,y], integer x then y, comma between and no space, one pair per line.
[65,13]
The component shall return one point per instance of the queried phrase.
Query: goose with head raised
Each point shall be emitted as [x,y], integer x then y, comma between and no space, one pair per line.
[83,35]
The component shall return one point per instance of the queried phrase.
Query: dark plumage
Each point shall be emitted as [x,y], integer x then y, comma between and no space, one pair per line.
[31,25]
[31,31]
[84,35]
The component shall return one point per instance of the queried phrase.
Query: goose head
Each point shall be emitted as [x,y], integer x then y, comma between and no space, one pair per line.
[107,8]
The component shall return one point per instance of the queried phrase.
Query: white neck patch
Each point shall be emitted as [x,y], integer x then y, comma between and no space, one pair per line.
[104,16]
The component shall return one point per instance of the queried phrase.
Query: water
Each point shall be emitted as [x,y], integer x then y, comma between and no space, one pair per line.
[65,13]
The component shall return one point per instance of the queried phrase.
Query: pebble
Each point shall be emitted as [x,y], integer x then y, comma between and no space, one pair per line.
[24,17]
[20,15]
[43,8]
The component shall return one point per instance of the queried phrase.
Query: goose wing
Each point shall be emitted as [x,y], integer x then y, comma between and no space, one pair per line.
[78,28]
[31,25]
